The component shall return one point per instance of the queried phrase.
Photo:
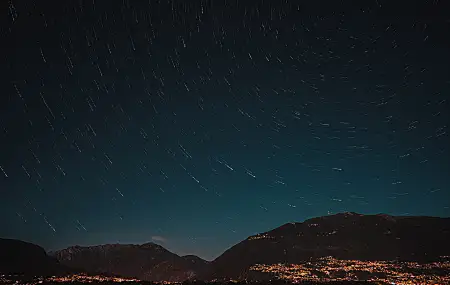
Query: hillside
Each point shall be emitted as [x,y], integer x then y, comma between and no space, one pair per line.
[342,236]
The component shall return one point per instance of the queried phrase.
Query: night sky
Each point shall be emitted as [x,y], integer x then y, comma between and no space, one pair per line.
[195,124]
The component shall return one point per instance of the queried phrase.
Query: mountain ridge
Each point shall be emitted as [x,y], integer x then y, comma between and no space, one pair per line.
[346,235]
[148,261]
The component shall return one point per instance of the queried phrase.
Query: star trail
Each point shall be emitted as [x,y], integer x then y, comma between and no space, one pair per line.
[196,124]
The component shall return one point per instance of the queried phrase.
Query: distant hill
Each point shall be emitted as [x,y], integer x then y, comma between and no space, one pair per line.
[19,257]
[343,236]
[148,261]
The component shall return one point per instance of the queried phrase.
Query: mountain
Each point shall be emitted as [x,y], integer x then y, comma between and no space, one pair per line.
[19,257]
[150,261]
[343,236]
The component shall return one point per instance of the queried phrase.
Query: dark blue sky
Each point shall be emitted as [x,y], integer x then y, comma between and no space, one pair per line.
[196,125]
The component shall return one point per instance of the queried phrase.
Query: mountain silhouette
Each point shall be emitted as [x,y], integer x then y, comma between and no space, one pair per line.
[23,258]
[343,236]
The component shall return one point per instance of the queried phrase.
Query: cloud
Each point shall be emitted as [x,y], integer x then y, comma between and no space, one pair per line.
[159,238]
